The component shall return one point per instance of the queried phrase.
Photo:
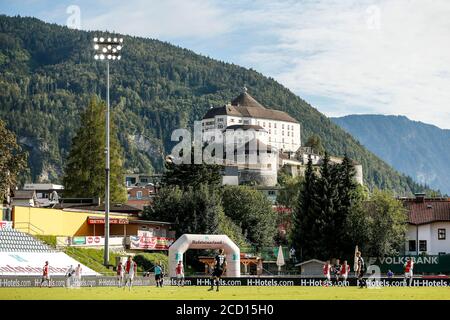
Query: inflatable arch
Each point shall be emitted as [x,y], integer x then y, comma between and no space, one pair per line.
[203,241]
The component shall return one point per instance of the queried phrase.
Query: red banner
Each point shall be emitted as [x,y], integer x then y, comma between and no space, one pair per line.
[5,224]
[100,220]
[152,243]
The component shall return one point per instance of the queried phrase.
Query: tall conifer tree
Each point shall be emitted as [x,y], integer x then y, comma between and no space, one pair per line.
[305,227]
[84,174]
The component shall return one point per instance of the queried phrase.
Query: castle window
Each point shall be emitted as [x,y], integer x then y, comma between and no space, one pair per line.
[264,124]
[231,120]
[270,125]
[275,125]
[282,126]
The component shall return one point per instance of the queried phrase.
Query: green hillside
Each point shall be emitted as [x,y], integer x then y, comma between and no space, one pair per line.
[48,73]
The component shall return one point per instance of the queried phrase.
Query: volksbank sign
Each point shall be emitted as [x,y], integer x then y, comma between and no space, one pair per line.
[422,264]
[403,259]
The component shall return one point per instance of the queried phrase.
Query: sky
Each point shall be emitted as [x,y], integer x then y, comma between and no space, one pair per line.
[342,56]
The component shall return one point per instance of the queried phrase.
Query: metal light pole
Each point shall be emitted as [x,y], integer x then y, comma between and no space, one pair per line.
[107,49]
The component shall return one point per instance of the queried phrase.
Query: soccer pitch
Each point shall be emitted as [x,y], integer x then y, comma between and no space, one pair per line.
[227,293]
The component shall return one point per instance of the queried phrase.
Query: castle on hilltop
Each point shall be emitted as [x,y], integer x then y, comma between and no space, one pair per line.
[268,140]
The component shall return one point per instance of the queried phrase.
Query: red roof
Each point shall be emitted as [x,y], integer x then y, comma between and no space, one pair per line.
[427,210]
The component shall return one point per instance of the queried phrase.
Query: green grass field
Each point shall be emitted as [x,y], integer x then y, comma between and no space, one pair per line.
[227,293]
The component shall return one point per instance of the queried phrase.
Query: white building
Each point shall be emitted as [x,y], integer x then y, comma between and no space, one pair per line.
[277,128]
[428,226]
[43,190]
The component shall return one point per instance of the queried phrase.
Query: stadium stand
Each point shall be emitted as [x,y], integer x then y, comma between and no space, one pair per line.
[15,241]
[23,255]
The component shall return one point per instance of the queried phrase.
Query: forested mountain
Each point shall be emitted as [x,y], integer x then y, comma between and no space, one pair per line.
[48,74]
[414,148]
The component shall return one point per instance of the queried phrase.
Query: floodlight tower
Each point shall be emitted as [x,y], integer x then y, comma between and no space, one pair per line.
[107,49]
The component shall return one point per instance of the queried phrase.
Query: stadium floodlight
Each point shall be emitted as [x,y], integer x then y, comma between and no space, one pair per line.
[107,50]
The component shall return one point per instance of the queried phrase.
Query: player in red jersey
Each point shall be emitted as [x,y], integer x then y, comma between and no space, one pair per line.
[327,272]
[45,275]
[120,274]
[180,274]
[409,266]
[345,270]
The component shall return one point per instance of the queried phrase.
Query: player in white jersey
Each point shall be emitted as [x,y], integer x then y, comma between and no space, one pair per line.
[78,271]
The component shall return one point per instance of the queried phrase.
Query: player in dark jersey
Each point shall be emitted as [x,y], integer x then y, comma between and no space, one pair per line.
[360,270]
[220,264]
[337,269]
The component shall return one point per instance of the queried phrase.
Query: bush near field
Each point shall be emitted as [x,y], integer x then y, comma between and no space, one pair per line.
[146,261]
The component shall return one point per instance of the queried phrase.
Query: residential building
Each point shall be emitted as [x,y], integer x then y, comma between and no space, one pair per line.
[140,197]
[428,225]
[141,179]
[44,190]
[24,198]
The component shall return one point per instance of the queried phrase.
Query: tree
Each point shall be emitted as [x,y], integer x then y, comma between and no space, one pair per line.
[357,225]
[321,223]
[84,174]
[252,212]
[326,215]
[315,143]
[290,189]
[191,175]
[192,210]
[306,228]
[385,225]
[345,201]
[12,161]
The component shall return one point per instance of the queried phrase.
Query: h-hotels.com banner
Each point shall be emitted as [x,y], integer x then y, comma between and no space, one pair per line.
[31,264]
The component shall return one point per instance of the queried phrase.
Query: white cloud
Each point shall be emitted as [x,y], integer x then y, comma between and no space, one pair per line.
[351,56]
[392,57]
[168,19]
